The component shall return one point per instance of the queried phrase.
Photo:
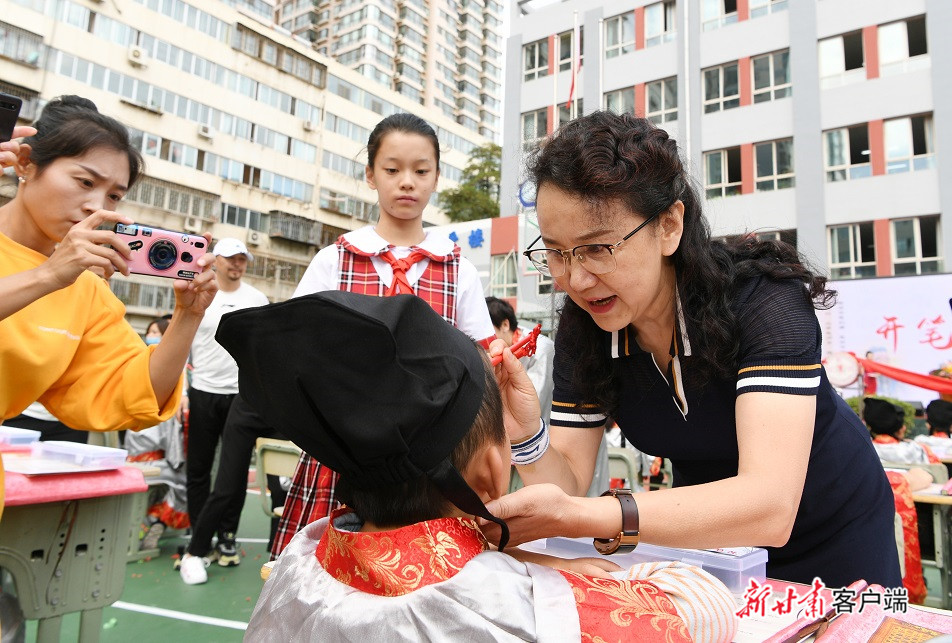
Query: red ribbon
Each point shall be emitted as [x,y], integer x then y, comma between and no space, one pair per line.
[929,382]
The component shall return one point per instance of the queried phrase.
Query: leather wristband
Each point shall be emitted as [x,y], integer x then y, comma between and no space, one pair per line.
[627,538]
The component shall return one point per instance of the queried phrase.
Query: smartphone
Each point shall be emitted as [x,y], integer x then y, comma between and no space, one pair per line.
[163,253]
[9,112]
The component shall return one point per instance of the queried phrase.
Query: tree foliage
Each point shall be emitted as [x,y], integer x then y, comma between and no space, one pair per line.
[477,195]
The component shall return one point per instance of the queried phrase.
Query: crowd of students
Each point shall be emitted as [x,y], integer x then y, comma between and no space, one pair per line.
[703,351]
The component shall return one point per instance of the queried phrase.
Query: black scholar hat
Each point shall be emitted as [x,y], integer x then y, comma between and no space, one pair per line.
[939,414]
[379,389]
[881,416]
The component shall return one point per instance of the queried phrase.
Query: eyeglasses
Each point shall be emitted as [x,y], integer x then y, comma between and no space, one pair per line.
[597,258]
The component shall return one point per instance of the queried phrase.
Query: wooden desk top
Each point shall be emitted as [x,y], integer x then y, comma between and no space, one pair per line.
[931,495]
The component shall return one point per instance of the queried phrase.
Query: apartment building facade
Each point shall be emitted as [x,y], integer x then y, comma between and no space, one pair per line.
[246,132]
[822,122]
[443,54]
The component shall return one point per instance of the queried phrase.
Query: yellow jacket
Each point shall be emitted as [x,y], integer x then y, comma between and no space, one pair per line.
[74,352]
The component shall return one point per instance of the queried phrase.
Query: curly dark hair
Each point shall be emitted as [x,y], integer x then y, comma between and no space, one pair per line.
[605,157]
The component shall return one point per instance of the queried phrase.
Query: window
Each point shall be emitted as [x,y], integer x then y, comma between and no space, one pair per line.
[535,57]
[534,128]
[566,114]
[662,100]
[566,52]
[763,7]
[659,23]
[847,153]
[852,251]
[915,246]
[504,282]
[620,35]
[903,46]
[773,163]
[909,144]
[21,45]
[621,101]
[841,60]
[722,173]
[717,13]
[721,89]
[771,76]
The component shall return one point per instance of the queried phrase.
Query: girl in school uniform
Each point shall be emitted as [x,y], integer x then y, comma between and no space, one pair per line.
[395,256]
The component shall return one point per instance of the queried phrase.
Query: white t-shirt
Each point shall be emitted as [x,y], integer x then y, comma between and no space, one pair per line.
[472,316]
[213,368]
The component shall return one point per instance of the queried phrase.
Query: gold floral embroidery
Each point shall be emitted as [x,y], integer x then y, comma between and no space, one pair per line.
[641,603]
[442,550]
[378,563]
[397,562]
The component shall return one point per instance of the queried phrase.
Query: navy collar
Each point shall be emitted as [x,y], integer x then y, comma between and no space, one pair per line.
[624,344]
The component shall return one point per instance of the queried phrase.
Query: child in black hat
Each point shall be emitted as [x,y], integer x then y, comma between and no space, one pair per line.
[886,423]
[419,453]
[939,418]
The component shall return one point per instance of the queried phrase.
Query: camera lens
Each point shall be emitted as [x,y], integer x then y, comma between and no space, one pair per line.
[162,254]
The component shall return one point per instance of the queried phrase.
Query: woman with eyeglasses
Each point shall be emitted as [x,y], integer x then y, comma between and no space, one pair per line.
[704,352]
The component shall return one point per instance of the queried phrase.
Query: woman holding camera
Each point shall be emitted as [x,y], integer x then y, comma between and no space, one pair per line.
[703,352]
[63,337]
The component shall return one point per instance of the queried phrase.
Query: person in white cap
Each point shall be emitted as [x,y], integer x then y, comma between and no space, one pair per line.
[214,382]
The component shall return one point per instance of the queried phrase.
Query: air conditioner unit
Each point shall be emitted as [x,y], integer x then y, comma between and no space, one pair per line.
[206,131]
[137,55]
[309,125]
[193,224]
[254,237]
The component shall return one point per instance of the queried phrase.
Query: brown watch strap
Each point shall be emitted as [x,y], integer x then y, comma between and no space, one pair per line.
[627,538]
[629,513]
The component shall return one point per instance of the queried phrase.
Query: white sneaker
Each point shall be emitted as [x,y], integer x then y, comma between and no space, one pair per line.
[193,569]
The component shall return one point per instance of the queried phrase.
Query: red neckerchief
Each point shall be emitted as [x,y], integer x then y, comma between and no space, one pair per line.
[400,285]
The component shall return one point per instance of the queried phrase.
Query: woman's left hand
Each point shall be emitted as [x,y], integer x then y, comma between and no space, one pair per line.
[195,296]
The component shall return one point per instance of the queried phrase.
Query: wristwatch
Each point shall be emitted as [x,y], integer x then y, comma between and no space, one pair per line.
[627,538]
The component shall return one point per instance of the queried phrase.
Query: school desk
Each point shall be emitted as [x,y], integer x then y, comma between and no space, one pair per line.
[943,543]
[65,539]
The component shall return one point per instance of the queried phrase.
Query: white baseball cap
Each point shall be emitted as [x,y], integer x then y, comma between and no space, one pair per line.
[229,247]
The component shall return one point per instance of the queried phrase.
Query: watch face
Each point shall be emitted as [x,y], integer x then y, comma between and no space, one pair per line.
[606,547]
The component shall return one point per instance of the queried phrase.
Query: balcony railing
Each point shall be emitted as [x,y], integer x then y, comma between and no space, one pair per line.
[294,228]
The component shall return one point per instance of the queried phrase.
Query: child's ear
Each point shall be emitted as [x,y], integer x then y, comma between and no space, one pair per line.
[369,174]
[488,471]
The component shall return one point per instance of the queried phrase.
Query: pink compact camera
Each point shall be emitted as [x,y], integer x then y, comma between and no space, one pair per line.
[163,253]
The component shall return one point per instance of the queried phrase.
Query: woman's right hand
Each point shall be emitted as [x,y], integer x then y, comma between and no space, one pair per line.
[520,403]
[86,247]
[9,150]
[534,511]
